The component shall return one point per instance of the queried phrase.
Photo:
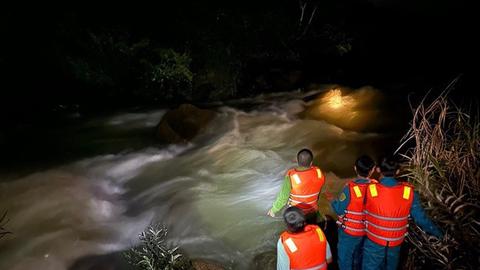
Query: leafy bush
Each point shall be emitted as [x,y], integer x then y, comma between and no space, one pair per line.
[169,76]
[154,253]
[444,165]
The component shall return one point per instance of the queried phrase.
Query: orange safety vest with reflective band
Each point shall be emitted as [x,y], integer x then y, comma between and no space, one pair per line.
[352,222]
[306,250]
[386,213]
[306,185]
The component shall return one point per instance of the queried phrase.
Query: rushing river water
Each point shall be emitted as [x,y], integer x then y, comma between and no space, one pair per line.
[212,194]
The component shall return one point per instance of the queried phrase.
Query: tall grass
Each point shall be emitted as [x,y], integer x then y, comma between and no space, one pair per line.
[443,162]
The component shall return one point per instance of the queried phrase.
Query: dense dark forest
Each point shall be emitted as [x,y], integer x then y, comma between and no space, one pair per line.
[57,61]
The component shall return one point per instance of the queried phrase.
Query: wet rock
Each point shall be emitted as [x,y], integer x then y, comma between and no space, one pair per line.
[265,261]
[181,125]
[201,264]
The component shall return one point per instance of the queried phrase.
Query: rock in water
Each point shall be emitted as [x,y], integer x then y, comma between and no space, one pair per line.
[265,261]
[181,125]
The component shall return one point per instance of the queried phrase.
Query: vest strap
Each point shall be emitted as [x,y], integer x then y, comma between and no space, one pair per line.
[349,228]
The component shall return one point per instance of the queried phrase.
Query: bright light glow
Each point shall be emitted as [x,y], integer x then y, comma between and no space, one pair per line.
[347,108]
[334,98]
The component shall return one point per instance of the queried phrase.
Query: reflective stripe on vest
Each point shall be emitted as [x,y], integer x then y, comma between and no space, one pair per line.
[320,235]
[406,192]
[291,245]
[388,239]
[352,220]
[358,193]
[387,218]
[319,173]
[373,190]
[368,223]
[317,267]
[310,202]
[305,196]
[354,213]
[296,178]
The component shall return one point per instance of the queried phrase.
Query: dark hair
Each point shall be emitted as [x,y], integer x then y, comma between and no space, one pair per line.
[294,218]
[305,157]
[389,166]
[364,165]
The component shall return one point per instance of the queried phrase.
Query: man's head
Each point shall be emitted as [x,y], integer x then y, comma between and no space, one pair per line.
[364,166]
[388,166]
[295,219]
[305,157]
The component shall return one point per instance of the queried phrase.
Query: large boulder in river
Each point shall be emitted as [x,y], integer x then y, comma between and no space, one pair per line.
[183,123]
[265,261]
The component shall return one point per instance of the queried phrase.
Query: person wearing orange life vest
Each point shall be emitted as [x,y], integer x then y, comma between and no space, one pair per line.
[301,187]
[302,246]
[349,207]
[388,206]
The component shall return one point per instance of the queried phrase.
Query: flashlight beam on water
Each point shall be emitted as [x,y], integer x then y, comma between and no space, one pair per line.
[335,99]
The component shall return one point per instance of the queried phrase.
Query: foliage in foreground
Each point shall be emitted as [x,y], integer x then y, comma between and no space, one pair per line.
[444,165]
[154,253]
[3,222]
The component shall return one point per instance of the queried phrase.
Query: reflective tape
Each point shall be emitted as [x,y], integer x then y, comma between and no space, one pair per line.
[291,245]
[304,196]
[320,235]
[319,173]
[296,178]
[387,218]
[373,190]
[353,220]
[358,193]
[389,239]
[354,213]
[406,192]
[310,202]
[386,228]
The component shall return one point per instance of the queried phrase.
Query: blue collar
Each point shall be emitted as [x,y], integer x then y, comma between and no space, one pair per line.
[388,181]
[361,180]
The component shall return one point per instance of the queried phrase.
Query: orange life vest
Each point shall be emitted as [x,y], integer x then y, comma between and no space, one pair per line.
[306,185]
[353,221]
[307,249]
[387,210]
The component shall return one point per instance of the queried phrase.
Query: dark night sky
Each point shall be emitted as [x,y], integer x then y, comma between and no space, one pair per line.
[421,43]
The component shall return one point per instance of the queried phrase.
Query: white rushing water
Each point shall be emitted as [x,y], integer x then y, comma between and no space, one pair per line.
[212,194]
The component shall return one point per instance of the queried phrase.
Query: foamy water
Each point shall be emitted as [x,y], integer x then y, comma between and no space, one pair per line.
[212,194]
